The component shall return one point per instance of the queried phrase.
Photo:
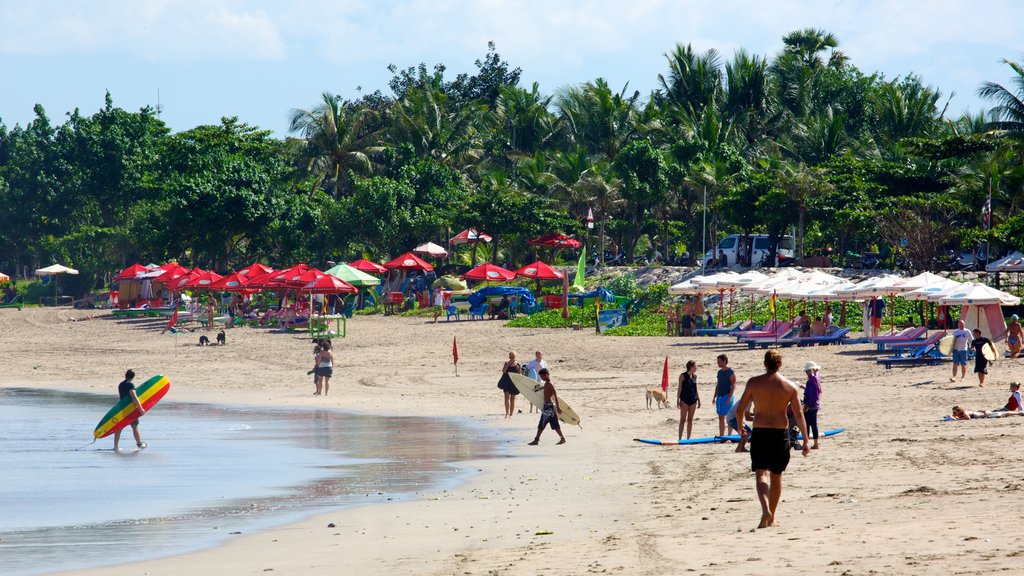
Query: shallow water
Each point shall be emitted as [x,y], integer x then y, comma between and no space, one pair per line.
[209,471]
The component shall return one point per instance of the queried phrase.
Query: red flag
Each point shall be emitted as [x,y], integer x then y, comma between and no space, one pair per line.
[664,377]
[173,321]
[455,350]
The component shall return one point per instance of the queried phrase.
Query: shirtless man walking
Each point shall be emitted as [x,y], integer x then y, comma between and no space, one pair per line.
[769,442]
[549,413]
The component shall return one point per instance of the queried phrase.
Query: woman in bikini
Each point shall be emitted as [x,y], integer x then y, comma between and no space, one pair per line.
[689,399]
[325,366]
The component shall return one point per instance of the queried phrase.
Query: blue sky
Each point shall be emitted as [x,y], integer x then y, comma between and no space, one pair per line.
[260,59]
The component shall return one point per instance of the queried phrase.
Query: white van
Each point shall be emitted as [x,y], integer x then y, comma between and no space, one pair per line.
[756,249]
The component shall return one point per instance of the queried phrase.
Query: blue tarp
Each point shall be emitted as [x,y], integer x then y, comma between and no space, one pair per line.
[605,295]
[525,296]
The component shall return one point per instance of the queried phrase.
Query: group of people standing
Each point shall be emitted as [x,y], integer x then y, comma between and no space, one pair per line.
[323,366]
[506,385]
[726,407]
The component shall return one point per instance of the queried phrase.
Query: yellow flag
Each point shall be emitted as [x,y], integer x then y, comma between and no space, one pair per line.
[771,302]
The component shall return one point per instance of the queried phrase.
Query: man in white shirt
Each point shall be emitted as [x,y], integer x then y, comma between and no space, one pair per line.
[538,363]
[961,342]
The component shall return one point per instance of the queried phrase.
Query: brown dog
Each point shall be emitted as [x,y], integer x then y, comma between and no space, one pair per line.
[657,395]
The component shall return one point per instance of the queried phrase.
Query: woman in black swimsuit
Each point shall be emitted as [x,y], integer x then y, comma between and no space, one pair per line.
[689,400]
[507,386]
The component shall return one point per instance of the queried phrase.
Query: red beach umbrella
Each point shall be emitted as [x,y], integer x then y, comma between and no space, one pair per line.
[131,272]
[539,271]
[469,236]
[299,280]
[328,284]
[233,282]
[490,272]
[255,269]
[202,281]
[408,261]
[368,267]
[555,240]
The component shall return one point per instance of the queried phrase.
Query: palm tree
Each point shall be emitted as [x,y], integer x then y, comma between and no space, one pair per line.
[905,109]
[600,120]
[800,64]
[1008,112]
[598,187]
[335,139]
[749,103]
[424,119]
[694,81]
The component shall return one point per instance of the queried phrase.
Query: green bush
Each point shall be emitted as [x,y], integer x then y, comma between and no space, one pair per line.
[643,323]
[553,318]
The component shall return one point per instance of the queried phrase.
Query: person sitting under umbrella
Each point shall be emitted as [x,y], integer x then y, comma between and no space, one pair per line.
[500,310]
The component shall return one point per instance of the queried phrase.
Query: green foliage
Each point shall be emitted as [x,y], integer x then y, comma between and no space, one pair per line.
[643,323]
[585,316]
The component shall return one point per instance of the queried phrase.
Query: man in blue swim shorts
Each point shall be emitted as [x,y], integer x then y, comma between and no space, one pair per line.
[769,447]
[724,390]
[961,342]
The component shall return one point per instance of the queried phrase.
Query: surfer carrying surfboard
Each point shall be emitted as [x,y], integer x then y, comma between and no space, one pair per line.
[549,413]
[983,354]
[126,389]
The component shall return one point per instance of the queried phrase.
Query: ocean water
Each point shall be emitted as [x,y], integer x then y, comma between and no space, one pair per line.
[209,471]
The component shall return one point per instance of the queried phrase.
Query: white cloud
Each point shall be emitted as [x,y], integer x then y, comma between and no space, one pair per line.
[158,29]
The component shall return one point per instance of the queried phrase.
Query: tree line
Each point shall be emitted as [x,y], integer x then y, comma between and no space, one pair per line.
[802,140]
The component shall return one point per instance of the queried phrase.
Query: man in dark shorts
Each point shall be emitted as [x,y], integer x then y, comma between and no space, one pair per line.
[127,389]
[769,440]
[549,413]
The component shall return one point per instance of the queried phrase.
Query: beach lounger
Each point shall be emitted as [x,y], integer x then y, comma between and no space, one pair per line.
[780,330]
[735,327]
[912,345]
[836,337]
[15,302]
[924,356]
[785,339]
[905,335]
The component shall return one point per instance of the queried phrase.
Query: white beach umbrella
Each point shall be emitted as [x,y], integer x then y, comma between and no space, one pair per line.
[749,278]
[685,287]
[975,294]
[55,269]
[716,281]
[919,281]
[831,293]
[430,249]
[938,289]
[883,285]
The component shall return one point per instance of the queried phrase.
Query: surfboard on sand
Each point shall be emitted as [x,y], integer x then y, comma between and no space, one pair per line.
[534,392]
[946,345]
[125,412]
[728,438]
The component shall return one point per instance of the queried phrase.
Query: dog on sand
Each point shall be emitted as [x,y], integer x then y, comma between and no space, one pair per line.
[204,341]
[656,395]
[221,338]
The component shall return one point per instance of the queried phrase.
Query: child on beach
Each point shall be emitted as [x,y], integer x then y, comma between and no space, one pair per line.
[549,413]
[1014,403]
[812,400]
[725,389]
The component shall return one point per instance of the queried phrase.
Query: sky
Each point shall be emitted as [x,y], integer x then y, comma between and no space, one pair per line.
[260,59]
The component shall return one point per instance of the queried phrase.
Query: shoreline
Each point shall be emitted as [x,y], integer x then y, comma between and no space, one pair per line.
[899,493]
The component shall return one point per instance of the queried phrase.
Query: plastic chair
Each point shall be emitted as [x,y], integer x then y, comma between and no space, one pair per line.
[452,311]
[478,311]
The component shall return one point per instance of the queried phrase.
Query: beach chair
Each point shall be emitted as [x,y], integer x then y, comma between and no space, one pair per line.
[924,356]
[513,308]
[478,311]
[732,328]
[15,302]
[349,308]
[452,311]
[784,339]
[779,330]
[836,337]
[907,334]
[913,345]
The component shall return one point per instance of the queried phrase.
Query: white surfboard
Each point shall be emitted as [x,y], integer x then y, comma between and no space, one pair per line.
[946,345]
[534,392]
[989,352]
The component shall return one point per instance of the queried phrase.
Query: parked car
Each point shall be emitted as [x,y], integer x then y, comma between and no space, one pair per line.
[757,253]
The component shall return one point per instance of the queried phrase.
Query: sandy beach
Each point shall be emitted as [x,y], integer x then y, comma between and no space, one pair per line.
[899,493]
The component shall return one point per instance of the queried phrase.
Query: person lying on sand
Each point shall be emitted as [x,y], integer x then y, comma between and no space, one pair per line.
[961,414]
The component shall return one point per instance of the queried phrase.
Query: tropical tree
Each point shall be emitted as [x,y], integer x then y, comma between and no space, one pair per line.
[1008,112]
[601,121]
[335,140]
